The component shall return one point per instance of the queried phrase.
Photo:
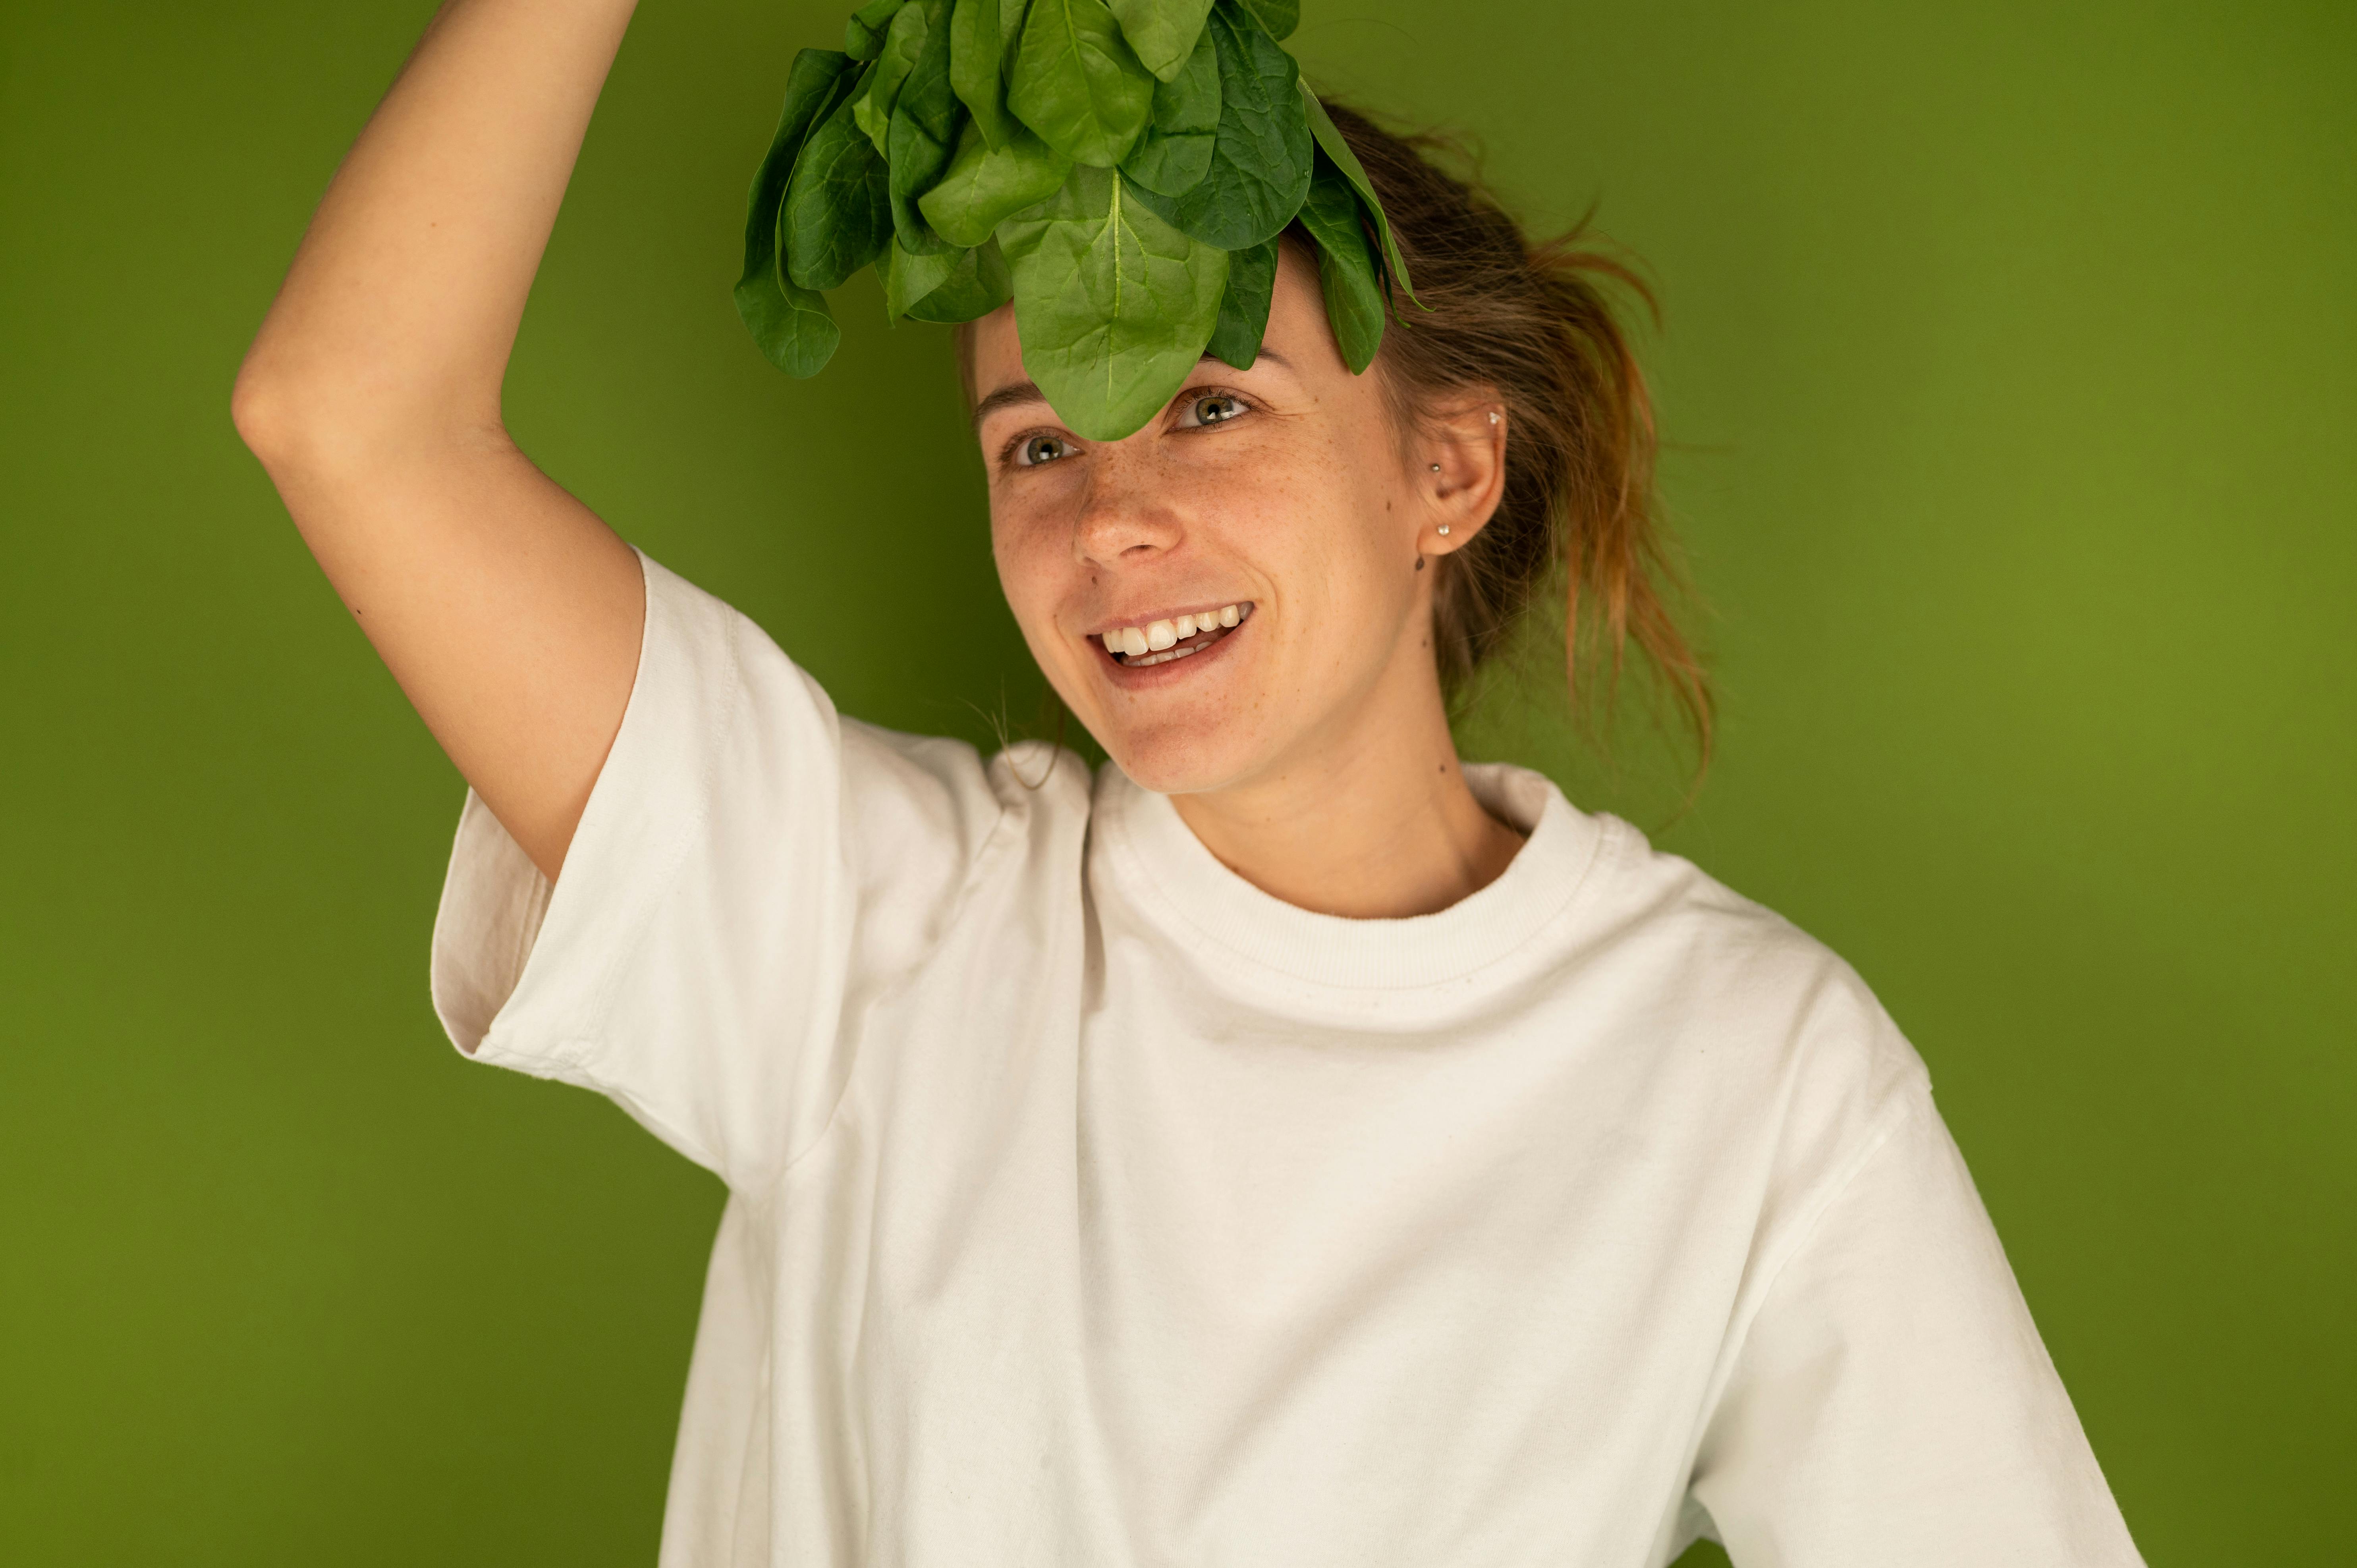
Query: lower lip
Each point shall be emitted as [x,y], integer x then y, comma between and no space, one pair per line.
[1134,677]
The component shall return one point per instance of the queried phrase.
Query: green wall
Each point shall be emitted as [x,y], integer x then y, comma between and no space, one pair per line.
[2009,365]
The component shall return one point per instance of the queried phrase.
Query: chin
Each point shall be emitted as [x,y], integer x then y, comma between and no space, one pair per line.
[1171,724]
[1178,758]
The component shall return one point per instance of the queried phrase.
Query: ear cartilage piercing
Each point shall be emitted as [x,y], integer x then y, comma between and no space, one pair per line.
[1493,416]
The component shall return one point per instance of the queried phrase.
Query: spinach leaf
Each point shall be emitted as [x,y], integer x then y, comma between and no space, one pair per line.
[1261,156]
[983,185]
[908,276]
[792,325]
[1279,16]
[979,284]
[1329,141]
[924,128]
[1346,266]
[978,66]
[1113,306]
[903,42]
[863,33]
[1175,153]
[1244,306]
[838,211]
[1078,84]
[1163,32]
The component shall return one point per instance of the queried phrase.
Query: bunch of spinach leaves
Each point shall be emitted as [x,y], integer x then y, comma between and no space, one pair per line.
[1120,169]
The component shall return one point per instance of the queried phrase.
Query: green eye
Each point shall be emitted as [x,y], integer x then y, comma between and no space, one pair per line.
[1212,408]
[1037,449]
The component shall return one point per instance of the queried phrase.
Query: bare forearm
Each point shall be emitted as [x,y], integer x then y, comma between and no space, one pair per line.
[403,303]
[507,611]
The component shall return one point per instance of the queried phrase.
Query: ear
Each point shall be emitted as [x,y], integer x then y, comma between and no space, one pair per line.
[1460,469]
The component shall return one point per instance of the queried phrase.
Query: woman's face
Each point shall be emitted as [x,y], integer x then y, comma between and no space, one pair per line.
[1252,552]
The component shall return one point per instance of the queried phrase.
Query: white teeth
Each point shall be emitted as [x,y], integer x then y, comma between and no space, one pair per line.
[1160,638]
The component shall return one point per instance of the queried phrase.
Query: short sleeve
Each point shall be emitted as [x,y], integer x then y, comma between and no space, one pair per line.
[747,858]
[1891,1401]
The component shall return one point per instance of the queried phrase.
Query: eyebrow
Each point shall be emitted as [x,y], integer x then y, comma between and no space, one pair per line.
[1018,392]
[1007,397]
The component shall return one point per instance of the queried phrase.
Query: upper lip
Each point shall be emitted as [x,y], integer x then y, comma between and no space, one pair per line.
[1148,618]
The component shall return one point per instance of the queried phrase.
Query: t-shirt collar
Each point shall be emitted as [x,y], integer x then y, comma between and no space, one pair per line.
[1166,872]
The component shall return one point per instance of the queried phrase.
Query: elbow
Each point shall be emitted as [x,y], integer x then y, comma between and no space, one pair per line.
[263,408]
[296,419]
[287,419]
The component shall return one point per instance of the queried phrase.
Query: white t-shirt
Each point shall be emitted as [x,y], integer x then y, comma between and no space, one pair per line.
[1091,1208]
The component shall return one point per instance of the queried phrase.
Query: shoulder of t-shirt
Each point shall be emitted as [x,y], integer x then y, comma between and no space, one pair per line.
[1776,998]
[911,817]
[927,821]
[930,795]
[922,789]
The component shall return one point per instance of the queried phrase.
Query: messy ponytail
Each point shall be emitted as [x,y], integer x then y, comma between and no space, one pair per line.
[1531,324]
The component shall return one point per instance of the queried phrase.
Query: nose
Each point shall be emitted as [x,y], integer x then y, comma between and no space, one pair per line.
[1125,516]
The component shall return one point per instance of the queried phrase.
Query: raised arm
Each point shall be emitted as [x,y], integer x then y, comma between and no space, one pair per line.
[509,613]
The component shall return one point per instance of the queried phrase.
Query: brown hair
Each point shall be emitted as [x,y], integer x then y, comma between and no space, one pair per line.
[1533,325]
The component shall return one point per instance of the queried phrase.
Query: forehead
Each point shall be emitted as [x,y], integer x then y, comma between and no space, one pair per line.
[990,352]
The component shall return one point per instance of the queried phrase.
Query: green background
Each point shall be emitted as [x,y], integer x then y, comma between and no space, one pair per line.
[2008,363]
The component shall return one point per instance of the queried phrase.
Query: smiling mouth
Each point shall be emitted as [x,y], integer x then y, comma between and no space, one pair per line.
[1166,641]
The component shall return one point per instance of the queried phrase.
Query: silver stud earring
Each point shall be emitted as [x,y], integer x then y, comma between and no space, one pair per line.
[1435,467]
[1444,529]
[1493,416]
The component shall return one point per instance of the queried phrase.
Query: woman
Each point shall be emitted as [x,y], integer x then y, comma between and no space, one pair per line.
[1288,1147]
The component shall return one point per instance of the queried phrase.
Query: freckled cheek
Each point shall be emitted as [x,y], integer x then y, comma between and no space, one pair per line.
[1035,571]
[1304,536]
[1272,508]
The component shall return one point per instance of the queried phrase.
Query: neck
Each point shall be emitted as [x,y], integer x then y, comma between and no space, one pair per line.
[1375,822]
